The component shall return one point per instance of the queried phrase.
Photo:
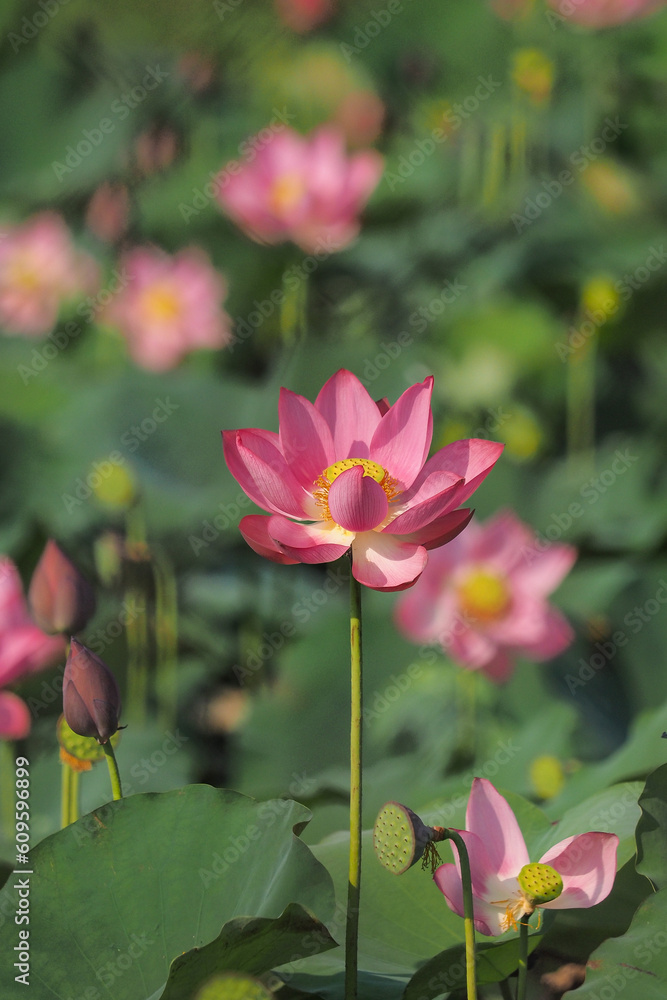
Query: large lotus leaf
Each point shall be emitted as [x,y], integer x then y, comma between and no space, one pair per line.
[652,829]
[120,894]
[632,967]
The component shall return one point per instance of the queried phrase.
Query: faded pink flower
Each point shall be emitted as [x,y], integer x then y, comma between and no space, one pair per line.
[40,269]
[304,15]
[169,306]
[24,649]
[604,13]
[302,189]
[578,872]
[347,473]
[484,598]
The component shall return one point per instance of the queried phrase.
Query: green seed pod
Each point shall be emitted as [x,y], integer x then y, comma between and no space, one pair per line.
[400,837]
[234,986]
[540,883]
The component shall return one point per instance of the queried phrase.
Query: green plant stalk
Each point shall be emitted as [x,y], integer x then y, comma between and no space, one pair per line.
[136,628]
[166,638]
[468,913]
[581,368]
[523,960]
[74,796]
[114,773]
[7,788]
[65,789]
[354,878]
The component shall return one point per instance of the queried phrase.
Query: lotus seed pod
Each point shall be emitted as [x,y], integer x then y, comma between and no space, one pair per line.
[540,883]
[83,748]
[400,837]
[234,986]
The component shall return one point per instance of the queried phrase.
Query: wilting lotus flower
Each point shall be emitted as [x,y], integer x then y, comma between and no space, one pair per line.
[40,269]
[91,699]
[577,872]
[484,598]
[169,306]
[24,649]
[604,13]
[348,473]
[301,189]
[60,597]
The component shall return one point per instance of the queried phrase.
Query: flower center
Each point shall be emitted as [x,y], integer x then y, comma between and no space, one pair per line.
[23,274]
[286,193]
[161,304]
[540,883]
[361,513]
[484,596]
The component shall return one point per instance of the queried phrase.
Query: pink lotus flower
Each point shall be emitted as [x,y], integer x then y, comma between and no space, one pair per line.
[170,306]
[577,872]
[483,598]
[301,189]
[348,473]
[40,269]
[24,649]
[604,13]
[304,15]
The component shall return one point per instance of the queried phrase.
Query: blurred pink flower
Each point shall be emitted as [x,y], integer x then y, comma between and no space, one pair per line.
[304,15]
[303,189]
[24,649]
[40,269]
[169,306]
[604,13]
[483,598]
[350,473]
[360,115]
[505,885]
[108,211]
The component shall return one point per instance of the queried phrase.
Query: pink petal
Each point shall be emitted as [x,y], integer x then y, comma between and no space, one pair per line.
[382,562]
[357,502]
[487,917]
[441,530]
[402,440]
[468,646]
[487,888]
[556,636]
[542,571]
[309,543]
[587,865]
[255,530]
[490,817]
[422,618]
[305,438]
[350,413]
[263,474]
[14,717]
[423,508]
[472,459]
[500,668]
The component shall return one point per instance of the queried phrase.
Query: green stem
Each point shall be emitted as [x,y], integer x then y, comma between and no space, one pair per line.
[74,796]
[581,402]
[166,637]
[7,771]
[65,794]
[114,773]
[523,960]
[354,881]
[136,628]
[468,913]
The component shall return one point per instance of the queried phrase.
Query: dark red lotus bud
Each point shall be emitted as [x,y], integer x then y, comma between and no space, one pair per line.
[60,597]
[91,699]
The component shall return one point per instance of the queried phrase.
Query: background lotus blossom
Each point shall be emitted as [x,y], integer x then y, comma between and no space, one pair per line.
[586,864]
[24,649]
[346,472]
[60,597]
[40,269]
[604,13]
[303,189]
[484,598]
[304,15]
[169,306]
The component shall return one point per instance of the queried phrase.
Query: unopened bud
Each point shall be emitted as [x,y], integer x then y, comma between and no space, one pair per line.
[91,699]
[60,597]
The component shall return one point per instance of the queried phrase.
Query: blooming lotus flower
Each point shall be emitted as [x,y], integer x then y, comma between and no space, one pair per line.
[40,269]
[169,306]
[301,189]
[24,649]
[483,598]
[577,872]
[347,473]
[604,13]
[60,597]
[91,699]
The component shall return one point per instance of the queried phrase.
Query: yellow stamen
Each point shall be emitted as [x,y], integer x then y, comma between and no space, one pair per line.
[372,469]
[161,304]
[286,193]
[484,596]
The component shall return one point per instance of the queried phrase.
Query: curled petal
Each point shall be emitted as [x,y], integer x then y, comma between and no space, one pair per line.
[441,530]
[255,530]
[309,543]
[403,437]
[356,501]
[382,562]
[421,512]
[472,459]
[587,865]
[489,816]
[261,470]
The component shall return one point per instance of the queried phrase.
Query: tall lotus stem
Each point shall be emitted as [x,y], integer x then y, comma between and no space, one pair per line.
[354,880]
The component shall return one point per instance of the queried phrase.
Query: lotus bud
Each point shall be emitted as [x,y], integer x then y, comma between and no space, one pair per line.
[91,699]
[60,597]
